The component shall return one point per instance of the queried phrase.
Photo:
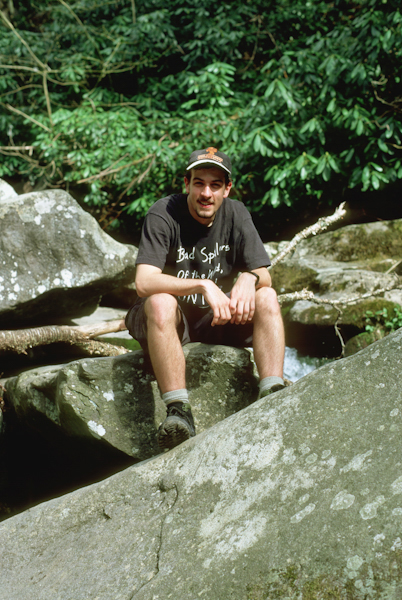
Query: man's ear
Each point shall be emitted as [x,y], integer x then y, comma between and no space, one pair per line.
[187,184]
[227,189]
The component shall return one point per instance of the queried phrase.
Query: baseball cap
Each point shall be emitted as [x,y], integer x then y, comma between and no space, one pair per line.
[209,156]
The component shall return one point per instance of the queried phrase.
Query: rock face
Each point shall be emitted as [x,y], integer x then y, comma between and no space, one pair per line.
[346,263]
[55,261]
[116,402]
[350,261]
[297,496]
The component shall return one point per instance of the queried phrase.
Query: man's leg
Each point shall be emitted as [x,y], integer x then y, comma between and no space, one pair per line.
[165,350]
[167,357]
[268,340]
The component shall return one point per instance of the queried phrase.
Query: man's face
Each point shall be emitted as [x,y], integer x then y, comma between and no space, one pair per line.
[206,191]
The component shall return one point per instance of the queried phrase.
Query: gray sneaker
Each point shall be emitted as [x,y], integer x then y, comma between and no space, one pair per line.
[275,388]
[177,427]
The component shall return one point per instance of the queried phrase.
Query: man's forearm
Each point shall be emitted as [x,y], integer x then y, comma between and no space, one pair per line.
[160,283]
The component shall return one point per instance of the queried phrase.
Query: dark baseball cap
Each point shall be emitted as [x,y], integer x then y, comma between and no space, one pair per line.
[210,156]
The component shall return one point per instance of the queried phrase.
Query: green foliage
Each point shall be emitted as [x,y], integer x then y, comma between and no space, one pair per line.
[305,96]
[381,320]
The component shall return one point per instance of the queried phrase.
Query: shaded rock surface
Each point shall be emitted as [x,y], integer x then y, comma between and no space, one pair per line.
[297,496]
[115,402]
[55,261]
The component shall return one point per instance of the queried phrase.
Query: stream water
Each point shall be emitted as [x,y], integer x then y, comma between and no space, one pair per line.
[297,366]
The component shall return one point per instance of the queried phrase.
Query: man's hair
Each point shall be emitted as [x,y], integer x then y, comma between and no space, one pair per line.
[187,174]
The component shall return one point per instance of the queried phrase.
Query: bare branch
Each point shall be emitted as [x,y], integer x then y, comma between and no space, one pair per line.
[110,171]
[21,68]
[31,52]
[97,329]
[305,294]
[46,92]
[5,148]
[394,266]
[138,178]
[322,224]
[20,340]
[76,17]
[19,112]
[96,348]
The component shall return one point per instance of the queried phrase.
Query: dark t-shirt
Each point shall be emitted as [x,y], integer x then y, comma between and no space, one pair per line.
[175,242]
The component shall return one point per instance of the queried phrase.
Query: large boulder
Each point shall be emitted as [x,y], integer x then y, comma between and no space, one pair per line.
[115,402]
[345,263]
[298,496]
[55,261]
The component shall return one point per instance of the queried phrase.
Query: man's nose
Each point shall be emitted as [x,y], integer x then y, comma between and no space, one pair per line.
[207,192]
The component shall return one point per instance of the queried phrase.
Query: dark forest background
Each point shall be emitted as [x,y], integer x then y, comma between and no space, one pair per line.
[108,98]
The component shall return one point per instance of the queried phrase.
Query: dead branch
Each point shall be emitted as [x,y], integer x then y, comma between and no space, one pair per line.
[337,304]
[394,266]
[21,39]
[110,170]
[20,340]
[322,224]
[30,149]
[307,295]
[20,112]
[96,348]
[138,178]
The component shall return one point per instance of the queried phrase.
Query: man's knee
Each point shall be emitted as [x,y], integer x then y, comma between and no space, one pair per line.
[162,309]
[266,302]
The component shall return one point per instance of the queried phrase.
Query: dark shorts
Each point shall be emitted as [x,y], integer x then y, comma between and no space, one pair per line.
[195,327]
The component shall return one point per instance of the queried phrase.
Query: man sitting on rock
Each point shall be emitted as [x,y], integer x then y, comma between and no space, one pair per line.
[202,277]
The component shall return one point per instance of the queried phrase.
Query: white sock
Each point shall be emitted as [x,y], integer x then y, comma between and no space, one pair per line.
[175,396]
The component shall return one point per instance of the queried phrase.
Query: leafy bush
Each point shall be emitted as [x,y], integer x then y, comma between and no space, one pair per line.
[381,320]
[305,96]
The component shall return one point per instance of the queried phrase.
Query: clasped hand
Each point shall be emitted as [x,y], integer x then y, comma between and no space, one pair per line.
[239,308]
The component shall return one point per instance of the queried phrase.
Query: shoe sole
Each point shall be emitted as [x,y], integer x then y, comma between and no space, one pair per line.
[172,433]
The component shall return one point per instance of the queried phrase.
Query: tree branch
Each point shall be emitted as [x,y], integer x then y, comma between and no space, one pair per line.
[110,171]
[20,340]
[305,294]
[76,17]
[19,112]
[21,39]
[322,224]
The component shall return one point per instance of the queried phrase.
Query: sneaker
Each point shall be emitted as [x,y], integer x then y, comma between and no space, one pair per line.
[271,390]
[177,427]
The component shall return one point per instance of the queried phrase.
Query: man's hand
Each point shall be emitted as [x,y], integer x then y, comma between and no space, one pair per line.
[242,299]
[219,303]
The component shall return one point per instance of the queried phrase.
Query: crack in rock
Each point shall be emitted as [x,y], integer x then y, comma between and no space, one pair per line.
[165,486]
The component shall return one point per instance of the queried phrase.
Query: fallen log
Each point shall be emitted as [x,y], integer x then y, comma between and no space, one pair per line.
[21,340]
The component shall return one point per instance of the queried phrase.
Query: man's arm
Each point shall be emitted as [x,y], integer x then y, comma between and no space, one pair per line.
[265,277]
[150,280]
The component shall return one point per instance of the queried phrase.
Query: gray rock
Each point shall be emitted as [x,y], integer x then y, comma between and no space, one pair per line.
[117,402]
[7,192]
[348,262]
[297,496]
[55,261]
